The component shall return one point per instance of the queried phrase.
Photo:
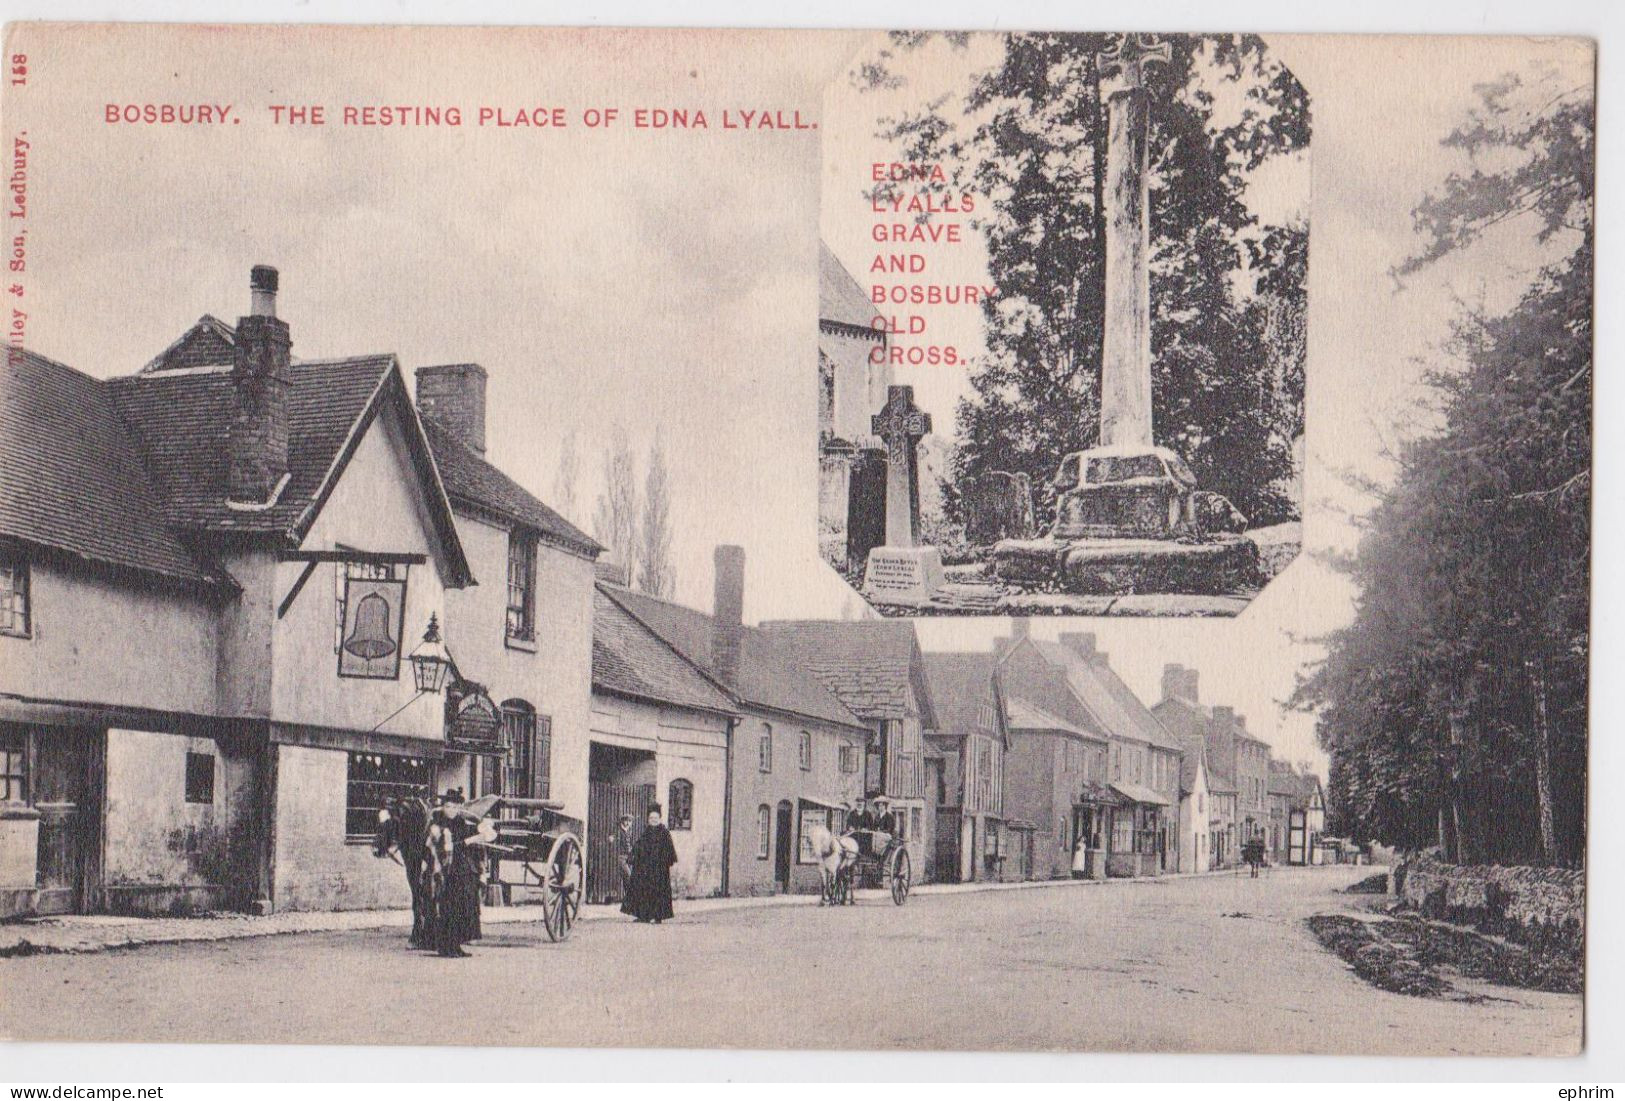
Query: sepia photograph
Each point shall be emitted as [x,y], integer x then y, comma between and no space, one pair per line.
[417,584]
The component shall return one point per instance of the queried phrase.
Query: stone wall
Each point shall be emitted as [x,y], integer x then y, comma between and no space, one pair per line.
[1540,907]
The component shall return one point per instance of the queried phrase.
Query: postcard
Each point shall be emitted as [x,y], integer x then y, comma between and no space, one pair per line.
[974,541]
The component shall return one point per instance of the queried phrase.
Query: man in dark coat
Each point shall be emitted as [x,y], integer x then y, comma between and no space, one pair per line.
[457,863]
[884,821]
[858,825]
[648,888]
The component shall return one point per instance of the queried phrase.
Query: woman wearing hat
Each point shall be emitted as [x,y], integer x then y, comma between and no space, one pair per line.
[648,888]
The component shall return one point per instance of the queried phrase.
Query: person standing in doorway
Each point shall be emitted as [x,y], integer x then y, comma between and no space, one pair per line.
[623,853]
[648,890]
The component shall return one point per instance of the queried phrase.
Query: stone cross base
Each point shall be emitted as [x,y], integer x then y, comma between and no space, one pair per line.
[906,576]
[1226,564]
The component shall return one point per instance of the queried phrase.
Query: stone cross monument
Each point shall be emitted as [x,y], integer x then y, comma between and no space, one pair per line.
[1125,371]
[901,424]
[902,573]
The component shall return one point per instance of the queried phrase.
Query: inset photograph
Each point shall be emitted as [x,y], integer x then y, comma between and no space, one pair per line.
[1062,338]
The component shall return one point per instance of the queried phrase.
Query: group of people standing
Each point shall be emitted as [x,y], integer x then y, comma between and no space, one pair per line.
[645,864]
[458,840]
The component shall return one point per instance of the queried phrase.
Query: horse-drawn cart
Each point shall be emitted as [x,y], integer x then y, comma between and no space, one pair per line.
[539,849]
[890,868]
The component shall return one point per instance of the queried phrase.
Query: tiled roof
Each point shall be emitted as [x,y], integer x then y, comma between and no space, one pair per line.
[769,677]
[182,422]
[181,425]
[1189,762]
[1105,695]
[469,478]
[1220,781]
[961,685]
[840,299]
[631,660]
[868,663]
[1026,715]
[70,478]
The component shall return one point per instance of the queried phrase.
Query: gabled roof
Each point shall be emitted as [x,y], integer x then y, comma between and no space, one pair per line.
[965,691]
[1192,761]
[210,342]
[181,423]
[1028,716]
[769,677]
[629,659]
[840,299]
[869,664]
[1115,707]
[72,481]
[470,480]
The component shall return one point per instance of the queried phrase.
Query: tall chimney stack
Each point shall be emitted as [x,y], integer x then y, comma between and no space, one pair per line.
[1173,682]
[453,396]
[728,613]
[257,444]
[1190,689]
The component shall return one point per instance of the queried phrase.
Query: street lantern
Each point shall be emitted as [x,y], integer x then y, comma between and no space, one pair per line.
[430,662]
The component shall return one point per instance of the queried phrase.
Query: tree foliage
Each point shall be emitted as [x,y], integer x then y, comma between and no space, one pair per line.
[1030,135]
[1464,671]
[654,568]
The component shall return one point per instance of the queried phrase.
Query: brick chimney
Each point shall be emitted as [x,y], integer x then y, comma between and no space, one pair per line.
[1020,627]
[453,396]
[257,444]
[1173,682]
[611,572]
[1190,686]
[1224,716]
[728,614]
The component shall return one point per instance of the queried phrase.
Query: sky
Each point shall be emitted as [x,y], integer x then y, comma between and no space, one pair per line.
[665,281]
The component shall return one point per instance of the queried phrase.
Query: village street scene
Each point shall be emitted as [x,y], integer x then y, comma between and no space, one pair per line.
[513,667]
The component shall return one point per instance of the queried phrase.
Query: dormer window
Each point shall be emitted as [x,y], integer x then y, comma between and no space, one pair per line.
[521,586]
[16,611]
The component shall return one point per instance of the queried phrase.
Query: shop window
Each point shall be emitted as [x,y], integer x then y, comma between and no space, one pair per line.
[915,821]
[15,611]
[375,780]
[680,805]
[13,767]
[521,586]
[805,753]
[199,778]
[764,749]
[764,831]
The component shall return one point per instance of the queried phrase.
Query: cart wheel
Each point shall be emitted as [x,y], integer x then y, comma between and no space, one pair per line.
[900,877]
[566,882]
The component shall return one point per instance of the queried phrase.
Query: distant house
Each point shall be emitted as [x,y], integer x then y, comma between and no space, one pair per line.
[875,668]
[1297,815]
[973,736]
[1144,759]
[797,755]
[1055,777]
[1195,811]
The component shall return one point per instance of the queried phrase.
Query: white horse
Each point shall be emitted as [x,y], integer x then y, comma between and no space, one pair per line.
[834,855]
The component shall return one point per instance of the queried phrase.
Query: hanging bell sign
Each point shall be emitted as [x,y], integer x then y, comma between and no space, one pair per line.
[371,637]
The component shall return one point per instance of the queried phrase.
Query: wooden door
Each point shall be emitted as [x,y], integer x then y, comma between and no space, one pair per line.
[605,805]
[783,846]
[70,821]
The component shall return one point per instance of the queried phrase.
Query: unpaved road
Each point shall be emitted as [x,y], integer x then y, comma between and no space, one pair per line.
[1213,964]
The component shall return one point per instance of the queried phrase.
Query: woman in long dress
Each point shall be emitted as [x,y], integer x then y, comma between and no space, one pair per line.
[648,888]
